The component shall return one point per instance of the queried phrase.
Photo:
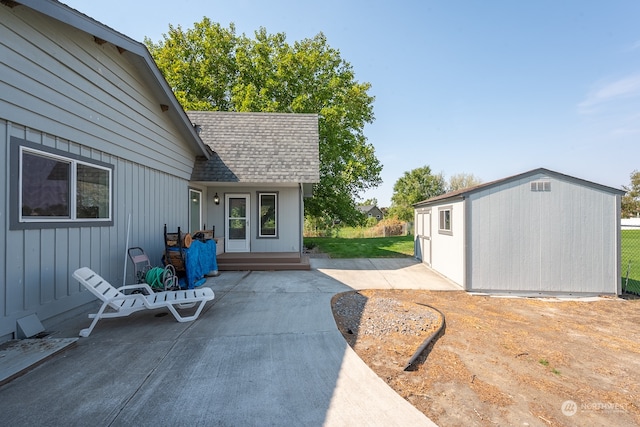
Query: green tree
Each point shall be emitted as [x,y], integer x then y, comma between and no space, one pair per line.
[631,200]
[211,68]
[462,180]
[414,186]
[199,64]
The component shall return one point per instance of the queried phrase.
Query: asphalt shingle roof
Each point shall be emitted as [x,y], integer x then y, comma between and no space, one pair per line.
[258,147]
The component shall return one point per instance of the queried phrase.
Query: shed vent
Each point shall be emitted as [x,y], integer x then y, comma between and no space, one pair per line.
[540,185]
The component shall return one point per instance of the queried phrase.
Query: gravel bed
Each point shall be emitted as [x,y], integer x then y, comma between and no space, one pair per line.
[381,316]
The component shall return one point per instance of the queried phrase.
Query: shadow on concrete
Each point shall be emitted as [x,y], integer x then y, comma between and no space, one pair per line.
[266,351]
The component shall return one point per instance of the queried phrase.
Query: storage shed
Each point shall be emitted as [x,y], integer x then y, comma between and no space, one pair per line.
[539,232]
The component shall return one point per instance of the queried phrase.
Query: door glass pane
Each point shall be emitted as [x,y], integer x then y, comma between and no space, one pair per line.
[237,229]
[237,208]
[45,186]
[237,218]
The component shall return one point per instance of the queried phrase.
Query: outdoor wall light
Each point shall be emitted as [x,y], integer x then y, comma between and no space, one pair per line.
[216,199]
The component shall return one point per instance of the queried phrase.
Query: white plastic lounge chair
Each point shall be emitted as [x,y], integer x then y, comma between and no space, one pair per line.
[124,304]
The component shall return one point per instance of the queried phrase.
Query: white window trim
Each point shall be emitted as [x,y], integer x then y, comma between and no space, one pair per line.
[201,202]
[72,218]
[441,211]
[267,193]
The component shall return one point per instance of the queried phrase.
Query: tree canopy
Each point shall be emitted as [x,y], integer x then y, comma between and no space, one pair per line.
[211,68]
[631,200]
[460,181]
[415,186]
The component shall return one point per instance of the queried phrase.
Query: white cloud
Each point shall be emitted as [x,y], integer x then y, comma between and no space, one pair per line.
[623,88]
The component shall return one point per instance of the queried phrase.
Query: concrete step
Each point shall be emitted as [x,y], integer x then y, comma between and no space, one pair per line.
[262,261]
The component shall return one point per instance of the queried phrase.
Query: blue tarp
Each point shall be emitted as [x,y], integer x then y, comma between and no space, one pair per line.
[200,260]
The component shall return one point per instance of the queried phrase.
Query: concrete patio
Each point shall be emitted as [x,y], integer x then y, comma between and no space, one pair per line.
[266,351]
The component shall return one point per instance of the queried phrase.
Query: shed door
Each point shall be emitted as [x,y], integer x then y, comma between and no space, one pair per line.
[424,236]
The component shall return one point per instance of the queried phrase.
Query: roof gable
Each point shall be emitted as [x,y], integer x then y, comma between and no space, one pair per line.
[460,194]
[368,209]
[258,147]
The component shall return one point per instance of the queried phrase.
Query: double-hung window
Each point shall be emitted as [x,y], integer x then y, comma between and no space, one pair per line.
[268,214]
[55,188]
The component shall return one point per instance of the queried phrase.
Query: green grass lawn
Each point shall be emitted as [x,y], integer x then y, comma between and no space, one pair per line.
[630,248]
[375,247]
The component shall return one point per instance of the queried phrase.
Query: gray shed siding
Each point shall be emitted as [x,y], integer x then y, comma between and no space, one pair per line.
[564,240]
[60,89]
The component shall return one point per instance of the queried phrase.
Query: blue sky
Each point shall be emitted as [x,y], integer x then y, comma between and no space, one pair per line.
[490,88]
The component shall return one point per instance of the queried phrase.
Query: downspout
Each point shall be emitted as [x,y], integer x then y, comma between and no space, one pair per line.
[301,218]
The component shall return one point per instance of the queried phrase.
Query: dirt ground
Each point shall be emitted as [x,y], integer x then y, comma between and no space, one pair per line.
[501,361]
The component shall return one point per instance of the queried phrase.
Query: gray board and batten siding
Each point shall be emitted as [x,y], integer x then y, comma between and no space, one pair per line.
[289,216]
[73,87]
[559,237]
[62,90]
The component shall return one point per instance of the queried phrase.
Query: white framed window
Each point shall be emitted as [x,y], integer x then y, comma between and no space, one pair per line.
[268,214]
[445,219]
[195,210]
[54,188]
